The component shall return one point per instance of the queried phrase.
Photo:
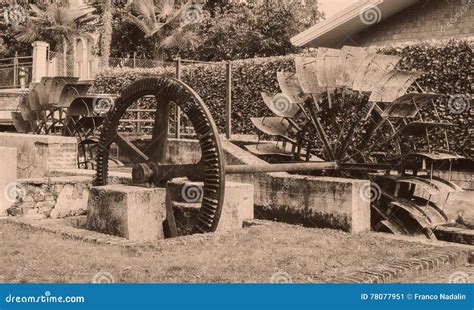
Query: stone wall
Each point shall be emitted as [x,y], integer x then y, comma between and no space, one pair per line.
[438,19]
[56,197]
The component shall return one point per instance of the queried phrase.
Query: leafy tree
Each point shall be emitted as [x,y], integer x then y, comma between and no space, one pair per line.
[126,39]
[10,45]
[246,31]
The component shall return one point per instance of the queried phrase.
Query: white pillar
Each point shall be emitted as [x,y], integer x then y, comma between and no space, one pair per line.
[40,60]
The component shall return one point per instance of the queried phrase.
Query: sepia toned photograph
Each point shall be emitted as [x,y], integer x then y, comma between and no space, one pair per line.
[269,142]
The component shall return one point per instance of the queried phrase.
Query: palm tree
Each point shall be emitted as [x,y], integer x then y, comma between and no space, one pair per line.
[164,23]
[58,22]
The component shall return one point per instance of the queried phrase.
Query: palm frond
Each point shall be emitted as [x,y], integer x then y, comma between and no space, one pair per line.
[145,9]
[37,11]
[165,9]
[145,26]
[177,17]
[181,39]
[59,22]
[26,33]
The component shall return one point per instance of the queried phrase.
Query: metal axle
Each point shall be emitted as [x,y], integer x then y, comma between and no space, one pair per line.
[158,173]
[292,167]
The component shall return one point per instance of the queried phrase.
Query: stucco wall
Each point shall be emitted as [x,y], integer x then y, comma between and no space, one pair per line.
[39,154]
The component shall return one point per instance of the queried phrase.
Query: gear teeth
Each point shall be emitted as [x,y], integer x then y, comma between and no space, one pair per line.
[204,127]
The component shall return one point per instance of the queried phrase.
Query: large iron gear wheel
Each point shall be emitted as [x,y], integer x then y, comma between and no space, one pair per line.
[167,90]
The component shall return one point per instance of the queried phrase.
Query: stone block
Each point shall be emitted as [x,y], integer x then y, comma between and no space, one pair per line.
[238,204]
[72,200]
[8,175]
[135,213]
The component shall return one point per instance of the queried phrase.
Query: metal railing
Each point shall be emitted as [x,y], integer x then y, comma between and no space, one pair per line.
[134,62]
[60,64]
[15,72]
[141,120]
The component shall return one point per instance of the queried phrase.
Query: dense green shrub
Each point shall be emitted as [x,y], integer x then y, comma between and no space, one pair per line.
[250,77]
[448,68]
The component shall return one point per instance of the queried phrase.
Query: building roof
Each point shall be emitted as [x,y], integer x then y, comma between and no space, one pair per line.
[334,31]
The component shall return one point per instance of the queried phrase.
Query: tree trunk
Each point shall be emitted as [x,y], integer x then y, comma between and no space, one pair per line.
[64,47]
[107,33]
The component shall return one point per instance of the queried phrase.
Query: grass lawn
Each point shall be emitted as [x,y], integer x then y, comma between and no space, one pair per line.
[250,255]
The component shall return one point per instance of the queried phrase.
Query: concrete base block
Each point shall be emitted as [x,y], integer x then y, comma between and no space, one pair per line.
[7,178]
[322,202]
[39,154]
[134,213]
[238,204]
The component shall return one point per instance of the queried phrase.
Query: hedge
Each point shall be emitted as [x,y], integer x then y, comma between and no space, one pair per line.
[448,66]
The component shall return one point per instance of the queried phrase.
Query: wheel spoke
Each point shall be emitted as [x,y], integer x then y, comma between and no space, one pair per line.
[158,147]
[130,148]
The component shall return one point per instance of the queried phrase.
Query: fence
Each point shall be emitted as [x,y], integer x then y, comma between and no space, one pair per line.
[11,69]
[134,62]
[15,71]
[66,65]
[60,64]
